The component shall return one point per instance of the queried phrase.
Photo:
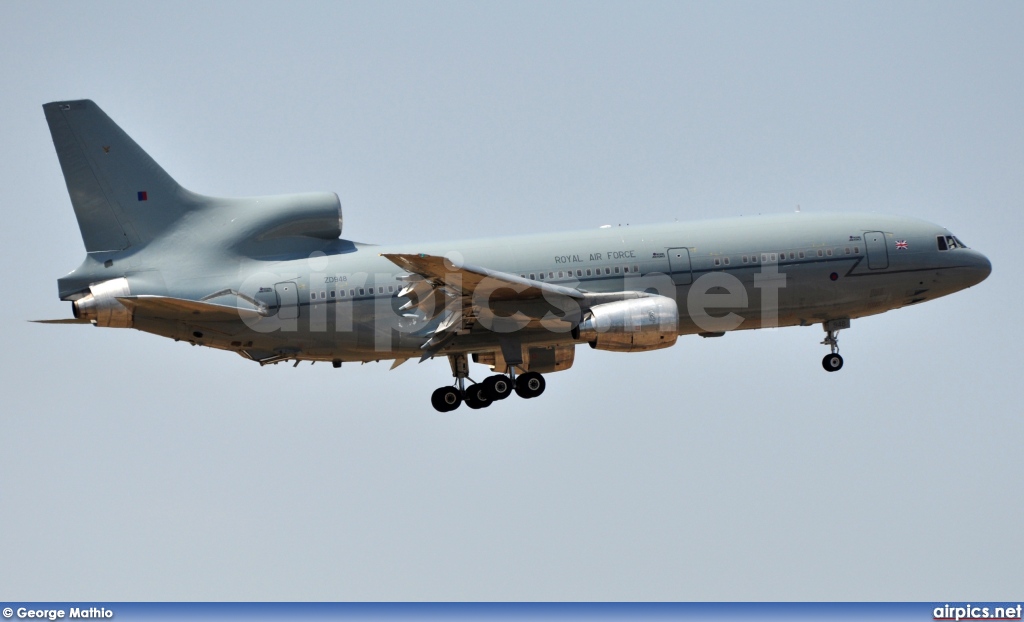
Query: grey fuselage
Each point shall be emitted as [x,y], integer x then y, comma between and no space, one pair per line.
[345,304]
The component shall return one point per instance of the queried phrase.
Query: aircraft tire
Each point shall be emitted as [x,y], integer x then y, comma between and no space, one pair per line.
[477,396]
[445,399]
[498,387]
[832,362]
[530,385]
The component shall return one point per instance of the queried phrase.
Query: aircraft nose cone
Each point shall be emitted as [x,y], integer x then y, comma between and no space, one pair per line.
[979,268]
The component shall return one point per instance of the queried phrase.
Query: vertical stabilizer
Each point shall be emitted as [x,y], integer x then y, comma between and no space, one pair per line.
[120,195]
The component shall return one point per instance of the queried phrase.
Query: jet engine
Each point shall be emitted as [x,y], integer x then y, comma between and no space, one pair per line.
[101,307]
[314,215]
[635,325]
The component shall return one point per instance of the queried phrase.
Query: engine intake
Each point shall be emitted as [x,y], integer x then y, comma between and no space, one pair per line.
[101,306]
[636,325]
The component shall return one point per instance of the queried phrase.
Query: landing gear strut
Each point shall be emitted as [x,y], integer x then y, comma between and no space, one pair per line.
[833,362]
[483,394]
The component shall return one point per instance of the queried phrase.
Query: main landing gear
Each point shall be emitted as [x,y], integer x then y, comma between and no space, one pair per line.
[483,394]
[833,362]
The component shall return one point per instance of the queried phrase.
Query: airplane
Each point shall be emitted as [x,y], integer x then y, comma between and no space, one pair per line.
[273,280]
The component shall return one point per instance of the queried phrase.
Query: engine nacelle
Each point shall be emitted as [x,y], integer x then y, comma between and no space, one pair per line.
[635,325]
[101,306]
[314,215]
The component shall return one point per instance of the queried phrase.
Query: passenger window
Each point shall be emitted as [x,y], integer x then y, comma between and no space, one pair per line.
[607,270]
[718,262]
[351,292]
[847,250]
[362,291]
[727,261]
[753,259]
[579,273]
[636,268]
[533,277]
[391,289]
[560,274]
[588,271]
[551,275]
[616,269]
[773,256]
[820,253]
[312,295]
[333,293]
[828,251]
[792,256]
[801,254]
[856,250]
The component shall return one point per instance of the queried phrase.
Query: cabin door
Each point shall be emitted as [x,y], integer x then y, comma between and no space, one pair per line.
[288,299]
[679,266]
[878,257]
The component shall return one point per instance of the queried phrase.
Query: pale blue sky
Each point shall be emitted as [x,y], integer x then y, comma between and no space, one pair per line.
[135,468]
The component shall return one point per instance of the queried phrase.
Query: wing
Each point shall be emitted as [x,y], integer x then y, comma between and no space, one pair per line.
[460,293]
[464,279]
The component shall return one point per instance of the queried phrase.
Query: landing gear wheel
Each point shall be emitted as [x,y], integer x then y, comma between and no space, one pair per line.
[445,399]
[498,387]
[832,362]
[477,396]
[530,385]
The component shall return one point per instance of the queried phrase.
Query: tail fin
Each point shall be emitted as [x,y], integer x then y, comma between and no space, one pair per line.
[121,196]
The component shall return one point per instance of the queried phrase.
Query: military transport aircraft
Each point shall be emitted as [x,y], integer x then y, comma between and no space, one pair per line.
[272,279]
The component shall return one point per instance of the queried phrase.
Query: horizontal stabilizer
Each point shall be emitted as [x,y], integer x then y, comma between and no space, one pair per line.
[166,308]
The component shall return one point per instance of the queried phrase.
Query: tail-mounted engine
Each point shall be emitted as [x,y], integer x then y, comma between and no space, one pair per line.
[101,306]
[635,325]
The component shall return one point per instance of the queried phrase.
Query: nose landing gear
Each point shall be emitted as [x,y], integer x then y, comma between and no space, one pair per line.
[833,362]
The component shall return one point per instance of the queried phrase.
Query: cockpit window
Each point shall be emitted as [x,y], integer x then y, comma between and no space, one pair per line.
[949,242]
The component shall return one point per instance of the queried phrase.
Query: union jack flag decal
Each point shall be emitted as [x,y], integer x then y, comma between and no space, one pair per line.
[901,245]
